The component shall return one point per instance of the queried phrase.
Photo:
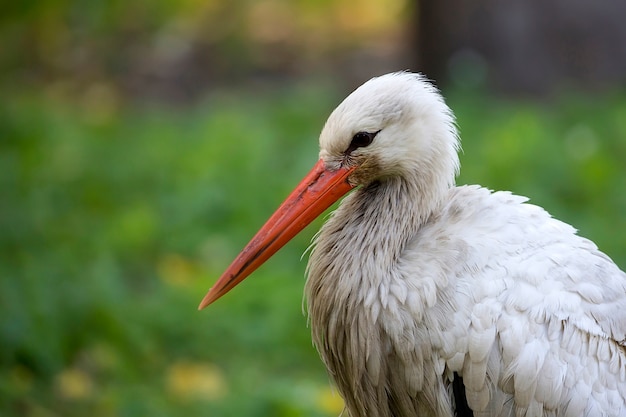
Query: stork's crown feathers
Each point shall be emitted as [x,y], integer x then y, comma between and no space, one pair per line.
[415,130]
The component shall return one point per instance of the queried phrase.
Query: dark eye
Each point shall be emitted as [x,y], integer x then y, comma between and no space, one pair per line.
[361,140]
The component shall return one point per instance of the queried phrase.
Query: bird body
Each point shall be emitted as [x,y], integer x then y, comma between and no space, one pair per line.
[488,287]
[414,283]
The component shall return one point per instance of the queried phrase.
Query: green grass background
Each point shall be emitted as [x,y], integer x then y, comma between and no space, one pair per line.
[116,218]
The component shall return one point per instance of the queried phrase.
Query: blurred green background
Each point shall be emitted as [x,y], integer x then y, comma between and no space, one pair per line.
[141,146]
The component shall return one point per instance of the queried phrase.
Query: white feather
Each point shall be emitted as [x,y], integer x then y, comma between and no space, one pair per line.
[413,279]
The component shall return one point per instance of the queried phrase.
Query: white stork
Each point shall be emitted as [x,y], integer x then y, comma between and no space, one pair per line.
[430,299]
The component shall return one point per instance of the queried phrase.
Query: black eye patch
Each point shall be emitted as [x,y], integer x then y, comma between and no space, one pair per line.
[361,140]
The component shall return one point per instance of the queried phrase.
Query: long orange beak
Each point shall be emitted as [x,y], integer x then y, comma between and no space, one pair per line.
[315,193]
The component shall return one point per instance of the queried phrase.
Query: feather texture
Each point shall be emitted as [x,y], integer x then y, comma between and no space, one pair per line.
[413,280]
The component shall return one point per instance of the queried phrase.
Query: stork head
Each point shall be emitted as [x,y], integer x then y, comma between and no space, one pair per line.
[393,125]
[396,125]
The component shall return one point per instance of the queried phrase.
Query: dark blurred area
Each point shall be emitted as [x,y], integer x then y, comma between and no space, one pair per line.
[532,48]
[175,51]
[142,143]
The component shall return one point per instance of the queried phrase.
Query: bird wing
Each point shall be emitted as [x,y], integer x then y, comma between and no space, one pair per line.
[520,306]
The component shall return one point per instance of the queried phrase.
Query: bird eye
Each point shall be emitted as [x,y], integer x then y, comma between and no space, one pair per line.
[361,140]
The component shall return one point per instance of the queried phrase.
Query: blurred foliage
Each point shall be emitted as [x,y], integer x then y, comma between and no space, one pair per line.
[114,222]
[118,214]
[174,49]
[116,219]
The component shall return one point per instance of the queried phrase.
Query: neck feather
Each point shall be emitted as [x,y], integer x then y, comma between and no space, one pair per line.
[364,238]
[356,251]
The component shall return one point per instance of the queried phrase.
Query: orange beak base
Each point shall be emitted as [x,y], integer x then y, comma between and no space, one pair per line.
[315,193]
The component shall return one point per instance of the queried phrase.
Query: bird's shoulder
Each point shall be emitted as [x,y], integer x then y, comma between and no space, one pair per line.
[523,291]
[514,252]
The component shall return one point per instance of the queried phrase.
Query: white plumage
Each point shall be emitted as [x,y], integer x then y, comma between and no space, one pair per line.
[414,282]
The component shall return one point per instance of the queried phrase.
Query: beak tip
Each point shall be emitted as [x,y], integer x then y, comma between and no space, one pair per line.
[206,301]
[314,194]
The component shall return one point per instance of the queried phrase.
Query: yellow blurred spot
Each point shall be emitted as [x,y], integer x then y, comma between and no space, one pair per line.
[270,21]
[74,384]
[189,380]
[176,270]
[363,16]
[329,401]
